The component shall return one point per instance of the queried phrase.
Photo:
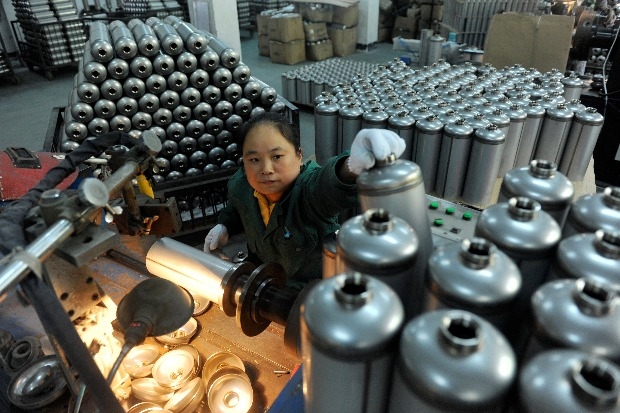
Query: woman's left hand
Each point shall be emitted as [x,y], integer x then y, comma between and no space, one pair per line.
[372,144]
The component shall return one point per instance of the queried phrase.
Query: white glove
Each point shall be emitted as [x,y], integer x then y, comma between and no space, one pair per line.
[218,236]
[372,144]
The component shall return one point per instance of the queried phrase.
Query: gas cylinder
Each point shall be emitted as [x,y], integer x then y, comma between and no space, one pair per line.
[451,361]
[396,185]
[554,133]
[349,124]
[529,136]
[403,124]
[326,130]
[527,234]
[586,126]
[374,118]
[349,332]
[580,314]
[473,275]
[569,381]
[542,182]
[592,255]
[484,161]
[378,244]
[456,144]
[426,148]
[592,212]
[500,119]
[514,133]
[572,87]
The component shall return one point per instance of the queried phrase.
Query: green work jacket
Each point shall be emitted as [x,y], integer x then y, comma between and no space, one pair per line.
[300,220]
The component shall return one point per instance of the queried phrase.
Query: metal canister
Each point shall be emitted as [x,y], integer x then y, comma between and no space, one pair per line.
[484,161]
[572,87]
[456,144]
[554,133]
[542,182]
[474,275]
[326,130]
[375,118]
[500,119]
[381,245]
[517,118]
[592,212]
[569,381]
[527,234]
[580,143]
[529,136]
[426,148]
[403,124]
[349,124]
[435,44]
[349,333]
[580,314]
[595,256]
[396,185]
[451,361]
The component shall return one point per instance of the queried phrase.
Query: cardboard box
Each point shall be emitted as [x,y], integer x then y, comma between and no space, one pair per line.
[316,12]
[263,45]
[262,23]
[344,40]
[539,41]
[315,31]
[288,53]
[383,34]
[430,13]
[319,51]
[347,16]
[286,27]
[405,24]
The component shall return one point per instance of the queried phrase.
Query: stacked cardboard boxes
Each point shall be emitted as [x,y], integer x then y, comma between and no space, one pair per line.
[286,39]
[422,14]
[340,22]
[281,36]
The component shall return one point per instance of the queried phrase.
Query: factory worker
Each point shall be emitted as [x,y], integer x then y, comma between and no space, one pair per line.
[285,206]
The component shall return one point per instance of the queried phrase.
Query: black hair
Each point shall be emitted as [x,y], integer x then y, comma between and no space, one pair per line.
[278,121]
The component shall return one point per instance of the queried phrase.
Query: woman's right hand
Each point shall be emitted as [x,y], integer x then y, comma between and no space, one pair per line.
[217,237]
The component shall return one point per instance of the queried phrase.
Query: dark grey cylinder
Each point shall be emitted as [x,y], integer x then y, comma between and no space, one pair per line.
[580,144]
[426,149]
[456,145]
[326,131]
[553,134]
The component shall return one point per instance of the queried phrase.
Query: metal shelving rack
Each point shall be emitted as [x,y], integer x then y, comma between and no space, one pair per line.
[49,35]
[6,68]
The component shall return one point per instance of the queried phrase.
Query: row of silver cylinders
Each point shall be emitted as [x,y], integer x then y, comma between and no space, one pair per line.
[467,345]
[464,126]
[184,84]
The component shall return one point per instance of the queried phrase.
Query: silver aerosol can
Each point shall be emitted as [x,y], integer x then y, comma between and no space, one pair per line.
[375,118]
[527,234]
[554,133]
[517,118]
[541,182]
[426,148]
[569,381]
[349,124]
[403,124]
[531,131]
[329,258]
[473,275]
[484,161]
[378,244]
[456,142]
[593,255]
[580,143]
[326,130]
[451,361]
[350,325]
[572,87]
[592,212]
[396,185]
[580,314]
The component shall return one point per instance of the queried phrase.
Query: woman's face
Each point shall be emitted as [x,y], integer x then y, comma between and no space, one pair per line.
[270,161]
